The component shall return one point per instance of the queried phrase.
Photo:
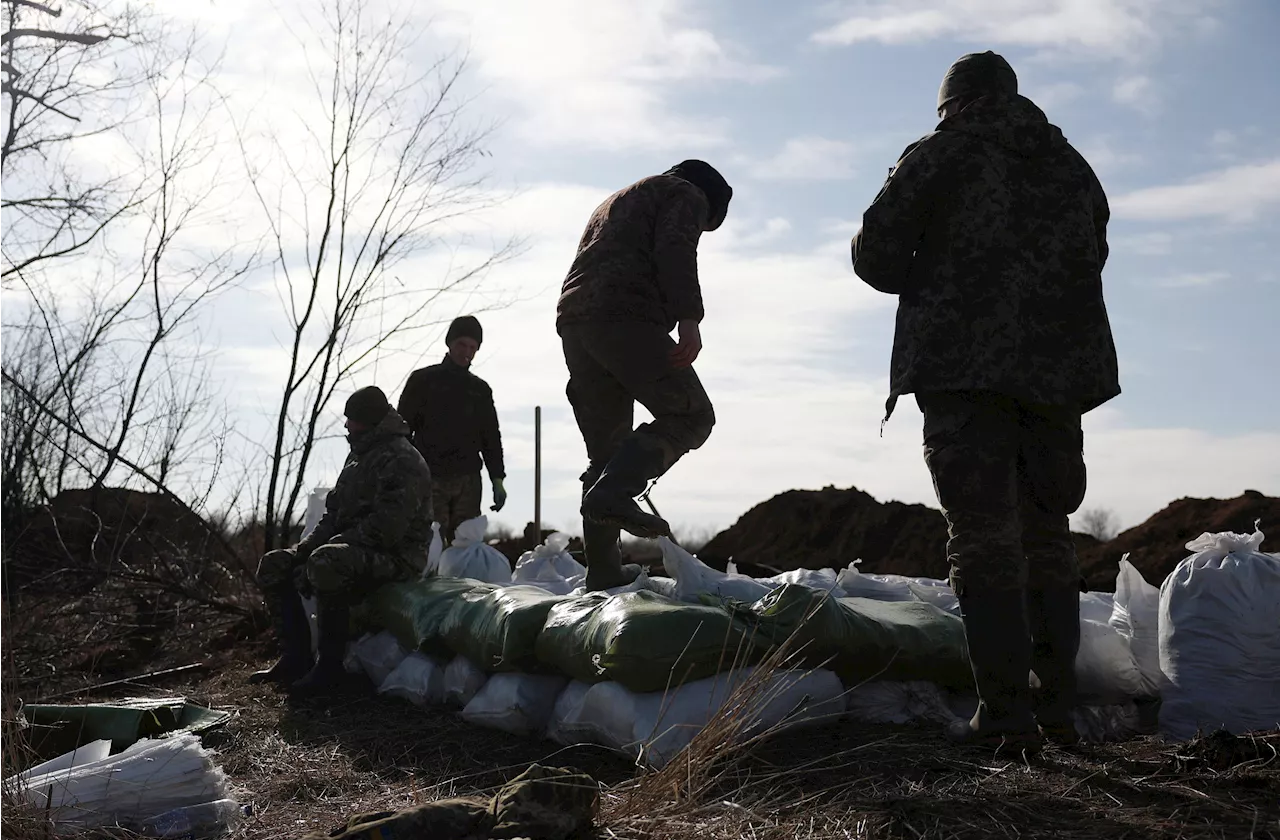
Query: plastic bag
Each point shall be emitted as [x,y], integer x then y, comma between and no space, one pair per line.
[462,681]
[469,557]
[640,639]
[567,725]
[655,726]
[379,655]
[417,612]
[664,586]
[434,550]
[550,567]
[1099,606]
[1106,672]
[856,584]
[1220,638]
[891,701]
[517,703]
[942,597]
[1135,614]
[824,580]
[418,679]
[694,578]
[498,629]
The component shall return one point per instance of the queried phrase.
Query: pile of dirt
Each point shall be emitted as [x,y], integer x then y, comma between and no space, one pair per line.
[1157,546]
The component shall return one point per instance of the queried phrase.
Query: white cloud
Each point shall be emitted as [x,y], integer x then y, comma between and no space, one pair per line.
[1137,92]
[807,158]
[1194,279]
[1051,97]
[1105,156]
[597,74]
[1235,194]
[1105,28]
[1152,244]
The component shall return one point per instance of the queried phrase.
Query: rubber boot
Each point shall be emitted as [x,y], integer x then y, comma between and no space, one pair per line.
[612,500]
[999,642]
[603,556]
[1055,629]
[295,642]
[328,674]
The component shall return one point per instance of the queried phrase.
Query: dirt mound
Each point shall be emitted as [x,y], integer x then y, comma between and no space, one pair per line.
[1157,546]
[832,528]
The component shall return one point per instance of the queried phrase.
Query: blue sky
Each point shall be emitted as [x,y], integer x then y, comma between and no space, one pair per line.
[803,107]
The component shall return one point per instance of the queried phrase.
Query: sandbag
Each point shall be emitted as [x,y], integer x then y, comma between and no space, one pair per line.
[416,612]
[1135,614]
[468,556]
[1106,672]
[378,655]
[654,727]
[640,639]
[567,725]
[862,639]
[418,679]
[856,584]
[694,578]
[823,580]
[434,549]
[462,681]
[1098,606]
[1220,638]
[892,701]
[517,703]
[498,629]
[550,566]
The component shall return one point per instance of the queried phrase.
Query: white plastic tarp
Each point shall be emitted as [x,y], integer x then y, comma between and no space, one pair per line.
[469,557]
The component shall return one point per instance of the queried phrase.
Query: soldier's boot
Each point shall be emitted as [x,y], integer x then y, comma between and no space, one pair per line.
[612,500]
[605,568]
[1055,629]
[328,674]
[999,642]
[295,642]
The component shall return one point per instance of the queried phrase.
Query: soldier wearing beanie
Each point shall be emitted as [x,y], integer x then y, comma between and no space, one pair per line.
[991,229]
[633,281]
[376,529]
[455,426]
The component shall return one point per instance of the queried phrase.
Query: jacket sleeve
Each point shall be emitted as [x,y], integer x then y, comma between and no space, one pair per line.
[1101,216]
[396,500]
[675,253]
[490,436]
[413,402]
[892,227]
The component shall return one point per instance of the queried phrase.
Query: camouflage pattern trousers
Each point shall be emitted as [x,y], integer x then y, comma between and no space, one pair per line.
[349,572]
[455,499]
[1007,475]
[612,366]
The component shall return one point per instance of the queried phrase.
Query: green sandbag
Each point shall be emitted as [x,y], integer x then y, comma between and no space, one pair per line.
[498,630]
[860,638]
[642,640]
[415,612]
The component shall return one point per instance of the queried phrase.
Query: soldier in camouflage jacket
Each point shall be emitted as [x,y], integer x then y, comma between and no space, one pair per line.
[992,232]
[634,280]
[376,529]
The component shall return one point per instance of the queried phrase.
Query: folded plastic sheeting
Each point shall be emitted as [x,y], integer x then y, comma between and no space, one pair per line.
[58,729]
[155,785]
[641,640]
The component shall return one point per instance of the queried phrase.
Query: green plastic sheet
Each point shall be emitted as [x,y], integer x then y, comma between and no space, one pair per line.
[498,630]
[642,640]
[57,729]
[416,612]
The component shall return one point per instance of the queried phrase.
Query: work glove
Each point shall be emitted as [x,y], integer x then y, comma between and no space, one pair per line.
[499,495]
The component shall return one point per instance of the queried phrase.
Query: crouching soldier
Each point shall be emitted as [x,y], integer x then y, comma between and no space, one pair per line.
[634,280]
[375,530]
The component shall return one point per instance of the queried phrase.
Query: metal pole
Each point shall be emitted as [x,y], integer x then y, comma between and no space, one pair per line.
[537,475]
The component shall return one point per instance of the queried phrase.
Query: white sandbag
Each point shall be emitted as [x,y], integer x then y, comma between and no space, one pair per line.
[694,578]
[462,680]
[1097,606]
[517,703]
[856,584]
[315,512]
[551,567]
[1135,613]
[1106,672]
[567,725]
[942,597]
[418,679]
[434,549]
[1100,724]
[654,727]
[351,662]
[378,655]
[469,557]
[664,586]
[1220,638]
[890,701]
[824,580]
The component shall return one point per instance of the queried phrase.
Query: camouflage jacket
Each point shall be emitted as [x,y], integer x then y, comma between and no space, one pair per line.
[638,258]
[992,232]
[453,420]
[382,498]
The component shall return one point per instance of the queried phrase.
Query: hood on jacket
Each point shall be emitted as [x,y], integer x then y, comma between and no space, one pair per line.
[1014,122]
[392,425]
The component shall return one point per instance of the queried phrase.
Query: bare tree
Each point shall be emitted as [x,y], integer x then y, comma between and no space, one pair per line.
[384,167]
[1100,523]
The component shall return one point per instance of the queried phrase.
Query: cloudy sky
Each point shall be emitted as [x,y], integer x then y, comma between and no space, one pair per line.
[804,106]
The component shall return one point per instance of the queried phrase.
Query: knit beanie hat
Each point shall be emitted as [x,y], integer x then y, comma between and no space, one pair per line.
[975,75]
[464,325]
[368,405]
[717,190]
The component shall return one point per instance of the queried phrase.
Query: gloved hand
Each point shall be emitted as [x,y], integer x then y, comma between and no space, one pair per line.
[499,495]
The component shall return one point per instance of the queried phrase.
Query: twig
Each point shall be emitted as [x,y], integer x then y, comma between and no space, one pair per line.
[146,676]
